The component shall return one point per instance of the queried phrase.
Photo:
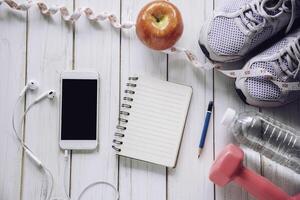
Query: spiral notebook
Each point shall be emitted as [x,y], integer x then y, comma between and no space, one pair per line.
[152,119]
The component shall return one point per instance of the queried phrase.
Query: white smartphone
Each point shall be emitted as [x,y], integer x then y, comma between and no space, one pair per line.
[79,110]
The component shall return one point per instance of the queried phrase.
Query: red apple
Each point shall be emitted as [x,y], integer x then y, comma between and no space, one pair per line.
[159,25]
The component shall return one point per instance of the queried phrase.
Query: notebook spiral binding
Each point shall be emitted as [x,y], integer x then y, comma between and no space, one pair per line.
[124,112]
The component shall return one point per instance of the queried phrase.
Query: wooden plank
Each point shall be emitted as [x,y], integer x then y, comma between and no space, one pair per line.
[12,80]
[189,180]
[97,48]
[224,97]
[283,177]
[49,52]
[139,180]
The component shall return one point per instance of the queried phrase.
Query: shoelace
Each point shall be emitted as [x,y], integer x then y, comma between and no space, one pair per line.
[267,13]
[289,63]
[291,57]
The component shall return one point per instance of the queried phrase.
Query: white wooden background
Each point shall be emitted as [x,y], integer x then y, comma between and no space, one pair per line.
[37,47]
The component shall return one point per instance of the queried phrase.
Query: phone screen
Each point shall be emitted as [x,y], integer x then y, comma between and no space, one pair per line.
[79,109]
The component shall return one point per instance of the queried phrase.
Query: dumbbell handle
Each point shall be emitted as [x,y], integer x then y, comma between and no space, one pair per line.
[260,187]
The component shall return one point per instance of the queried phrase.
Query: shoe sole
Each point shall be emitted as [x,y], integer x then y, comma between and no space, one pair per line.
[205,51]
[207,55]
[241,95]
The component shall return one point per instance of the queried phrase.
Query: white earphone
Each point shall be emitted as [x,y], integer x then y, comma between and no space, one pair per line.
[32,86]
[50,95]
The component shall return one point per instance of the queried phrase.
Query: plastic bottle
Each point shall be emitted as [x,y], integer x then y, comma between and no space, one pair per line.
[265,135]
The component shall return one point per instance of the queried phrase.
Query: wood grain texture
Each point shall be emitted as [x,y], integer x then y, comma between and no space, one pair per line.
[189,180]
[13,67]
[139,180]
[47,46]
[49,52]
[285,178]
[225,97]
[97,48]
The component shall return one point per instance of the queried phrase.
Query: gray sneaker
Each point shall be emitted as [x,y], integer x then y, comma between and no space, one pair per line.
[239,26]
[278,82]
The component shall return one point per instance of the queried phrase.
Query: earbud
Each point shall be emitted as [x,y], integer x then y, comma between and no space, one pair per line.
[31,85]
[50,95]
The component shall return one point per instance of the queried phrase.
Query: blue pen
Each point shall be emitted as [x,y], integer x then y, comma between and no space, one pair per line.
[205,127]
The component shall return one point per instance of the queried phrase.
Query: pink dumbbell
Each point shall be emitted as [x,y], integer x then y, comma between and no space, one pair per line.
[229,167]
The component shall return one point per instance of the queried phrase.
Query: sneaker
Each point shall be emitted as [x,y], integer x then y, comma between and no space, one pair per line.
[241,25]
[272,78]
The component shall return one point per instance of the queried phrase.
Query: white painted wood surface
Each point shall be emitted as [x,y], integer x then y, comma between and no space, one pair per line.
[49,51]
[13,67]
[139,180]
[97,48]
[37,47]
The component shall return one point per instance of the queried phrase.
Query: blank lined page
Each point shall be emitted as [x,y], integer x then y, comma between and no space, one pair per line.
[156,121]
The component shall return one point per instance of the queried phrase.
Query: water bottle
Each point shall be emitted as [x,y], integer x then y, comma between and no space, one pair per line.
[265,135]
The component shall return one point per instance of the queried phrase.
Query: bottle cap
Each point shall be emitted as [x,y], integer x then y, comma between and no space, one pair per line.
[228,117]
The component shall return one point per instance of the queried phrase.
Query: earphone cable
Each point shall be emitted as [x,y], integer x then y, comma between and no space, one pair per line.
[50,187]
[48,174]
[13,120]
[66,156]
